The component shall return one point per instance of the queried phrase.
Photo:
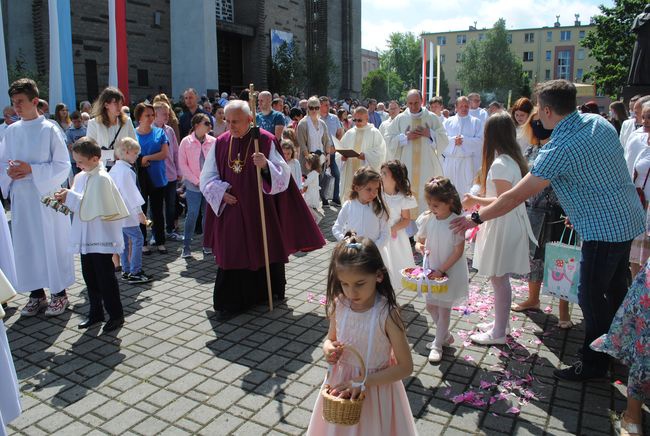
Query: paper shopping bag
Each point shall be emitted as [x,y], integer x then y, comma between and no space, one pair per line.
[562,269]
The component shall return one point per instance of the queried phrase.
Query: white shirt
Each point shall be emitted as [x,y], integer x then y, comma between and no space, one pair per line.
[479,113]
[312,195]
[125,179]
[361,219]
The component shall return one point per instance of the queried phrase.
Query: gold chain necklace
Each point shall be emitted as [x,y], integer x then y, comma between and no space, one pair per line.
[237,165]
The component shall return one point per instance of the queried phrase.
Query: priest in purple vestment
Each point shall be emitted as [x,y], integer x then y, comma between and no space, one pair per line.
[233,223]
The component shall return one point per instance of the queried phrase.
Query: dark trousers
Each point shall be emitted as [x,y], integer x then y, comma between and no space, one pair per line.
[334,169]
[153,196]
[603,285]
[170,206]
[103,290]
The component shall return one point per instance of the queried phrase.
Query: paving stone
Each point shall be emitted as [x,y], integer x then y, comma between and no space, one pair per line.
[222,425]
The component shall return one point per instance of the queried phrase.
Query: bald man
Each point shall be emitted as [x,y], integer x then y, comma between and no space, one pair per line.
[268,119]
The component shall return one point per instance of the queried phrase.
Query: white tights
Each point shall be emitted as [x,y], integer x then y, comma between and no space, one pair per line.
[502,301]
[441,318]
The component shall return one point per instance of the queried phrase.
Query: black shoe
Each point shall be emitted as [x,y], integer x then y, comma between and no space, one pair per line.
[89,322]
[326,203]
[139,277]
[113,324]
[578,372]
[336,202]
[125,275]
[146,251]
[224,315]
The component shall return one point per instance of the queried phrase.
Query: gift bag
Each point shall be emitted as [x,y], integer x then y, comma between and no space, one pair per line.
[562,268]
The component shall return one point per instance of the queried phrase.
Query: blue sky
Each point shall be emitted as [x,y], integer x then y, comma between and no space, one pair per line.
[379,18]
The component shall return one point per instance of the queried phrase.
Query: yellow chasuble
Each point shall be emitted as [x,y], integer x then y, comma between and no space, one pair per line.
[101,198]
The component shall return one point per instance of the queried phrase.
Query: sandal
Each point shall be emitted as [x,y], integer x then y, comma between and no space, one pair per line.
[565,325]
[521,308]
[628,428]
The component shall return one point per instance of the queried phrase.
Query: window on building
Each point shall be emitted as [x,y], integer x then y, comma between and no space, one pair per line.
[481,36]
[581,34]
[528,74]
[143,77]
[579,74]
[459,57]
[529,37]
[549,36]
[442,58]
[548,55]
[565,35]
[509,38]
[365,66]
[225,10]
[581,54]
[157,18]
[528,56]
[564,64]
[442,40]
[547,74]
[92,84]
[461,39]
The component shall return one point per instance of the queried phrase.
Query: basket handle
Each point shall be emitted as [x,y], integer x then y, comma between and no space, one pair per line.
[362,383]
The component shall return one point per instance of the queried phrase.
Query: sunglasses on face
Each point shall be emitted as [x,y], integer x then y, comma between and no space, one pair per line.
[357,120]
[314,108]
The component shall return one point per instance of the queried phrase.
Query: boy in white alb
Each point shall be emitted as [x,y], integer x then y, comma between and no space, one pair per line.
[34,162]
[123,174]
[96,232]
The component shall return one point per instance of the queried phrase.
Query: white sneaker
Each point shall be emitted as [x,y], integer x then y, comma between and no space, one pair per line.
[33,306]
[448,342]
[57,305]
[487,326]
[486,338]
[435,355]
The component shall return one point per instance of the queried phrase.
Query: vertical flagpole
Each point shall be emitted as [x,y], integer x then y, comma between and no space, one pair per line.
[56,95]
[438,78]
[4,75]
[431,58]
[424,71]
[256,134]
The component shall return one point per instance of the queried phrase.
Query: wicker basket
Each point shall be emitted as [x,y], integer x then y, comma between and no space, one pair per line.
[342,410]
[419,283]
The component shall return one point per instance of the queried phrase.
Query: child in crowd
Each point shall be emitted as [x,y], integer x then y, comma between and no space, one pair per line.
[399,199]
[124,177]
[365,212]
[364,315]
[311,189]
[289,153]
[502,243]
[444,253]
[96,232]
[76,131]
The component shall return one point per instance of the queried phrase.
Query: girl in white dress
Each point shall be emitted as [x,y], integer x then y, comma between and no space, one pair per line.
[502,243]
[397,253]
[289,153]
[365,213]
[445,254]
[310,189]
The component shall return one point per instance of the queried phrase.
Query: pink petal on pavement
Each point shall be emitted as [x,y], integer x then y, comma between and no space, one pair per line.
[513,410]
[548,309]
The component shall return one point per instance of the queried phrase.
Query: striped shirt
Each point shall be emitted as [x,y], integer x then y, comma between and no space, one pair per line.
[584,162]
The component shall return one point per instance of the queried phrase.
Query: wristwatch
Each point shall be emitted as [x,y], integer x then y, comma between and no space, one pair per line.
[476,218]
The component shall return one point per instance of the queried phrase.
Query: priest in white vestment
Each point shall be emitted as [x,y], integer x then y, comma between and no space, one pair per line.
[464,152]
[366,140]
[393,111]
[34,162]
[475,108]
[417,138]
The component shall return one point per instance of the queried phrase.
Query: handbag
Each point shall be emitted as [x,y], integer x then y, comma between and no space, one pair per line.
[562,268]
[326,182]
[641,191]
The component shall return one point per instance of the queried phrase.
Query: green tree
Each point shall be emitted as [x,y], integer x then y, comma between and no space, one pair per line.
[611,45]
[320,69]
[287,74]
[490,67]
[20,69]
[382,85]
[404,57]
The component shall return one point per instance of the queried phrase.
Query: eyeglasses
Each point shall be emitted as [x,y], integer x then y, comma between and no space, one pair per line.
[314,108]
[357,120]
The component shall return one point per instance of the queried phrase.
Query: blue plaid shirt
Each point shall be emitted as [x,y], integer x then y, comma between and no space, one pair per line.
[584,162]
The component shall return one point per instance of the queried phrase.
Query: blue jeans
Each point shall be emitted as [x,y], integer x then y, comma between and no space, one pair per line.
[170,206]
[194,201]
[334,169]
[602,288]
[133,234]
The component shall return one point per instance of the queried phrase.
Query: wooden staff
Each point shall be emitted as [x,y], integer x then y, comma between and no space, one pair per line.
[256,135]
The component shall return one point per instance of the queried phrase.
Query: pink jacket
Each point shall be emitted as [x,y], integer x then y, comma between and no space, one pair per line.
[189,155]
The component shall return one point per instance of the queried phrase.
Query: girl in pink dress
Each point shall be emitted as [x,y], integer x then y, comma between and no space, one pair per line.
[363,314]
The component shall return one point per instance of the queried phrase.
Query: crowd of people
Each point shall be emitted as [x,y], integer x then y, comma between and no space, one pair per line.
[409,185]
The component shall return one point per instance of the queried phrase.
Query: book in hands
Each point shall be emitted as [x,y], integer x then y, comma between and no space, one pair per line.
[347,152]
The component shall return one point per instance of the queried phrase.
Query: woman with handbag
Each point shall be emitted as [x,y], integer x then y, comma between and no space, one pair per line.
[546,220]
[313,137]
[640,250]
